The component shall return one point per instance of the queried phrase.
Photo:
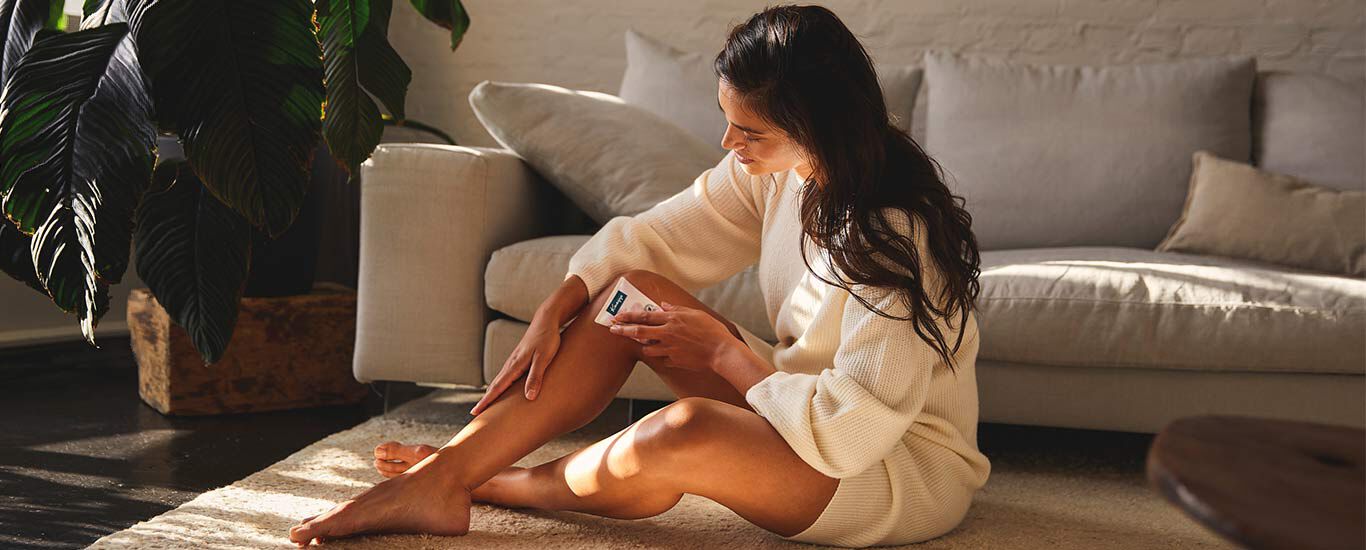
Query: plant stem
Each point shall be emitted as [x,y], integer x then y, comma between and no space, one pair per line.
[409,123]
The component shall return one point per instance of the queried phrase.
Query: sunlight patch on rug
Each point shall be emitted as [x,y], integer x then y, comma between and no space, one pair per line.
[1022,506]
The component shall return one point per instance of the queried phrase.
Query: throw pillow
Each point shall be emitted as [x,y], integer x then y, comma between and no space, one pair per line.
[1235,210]
[1310,126]
[681,87]
[610,158]
[1051,156]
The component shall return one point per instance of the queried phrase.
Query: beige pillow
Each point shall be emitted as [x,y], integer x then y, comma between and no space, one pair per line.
[1238,211]
[681,86]
[609,157]
[1071,155]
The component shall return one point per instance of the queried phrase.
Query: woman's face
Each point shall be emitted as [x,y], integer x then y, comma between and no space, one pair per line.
[760,148]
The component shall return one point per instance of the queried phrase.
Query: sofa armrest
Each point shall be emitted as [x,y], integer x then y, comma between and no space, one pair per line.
[431,215]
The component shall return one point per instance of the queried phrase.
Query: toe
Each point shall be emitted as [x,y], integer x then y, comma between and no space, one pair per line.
[391,469]
[387,450]
[412,454]
[301,534]
[318,527]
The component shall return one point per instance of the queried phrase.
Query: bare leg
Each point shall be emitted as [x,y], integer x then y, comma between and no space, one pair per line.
[433,495]
[694,445]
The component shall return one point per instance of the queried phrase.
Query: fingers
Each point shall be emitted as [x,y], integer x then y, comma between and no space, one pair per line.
[657,356]
[640,333]
[656,317]
[654,351]
[534,376]
[511,370]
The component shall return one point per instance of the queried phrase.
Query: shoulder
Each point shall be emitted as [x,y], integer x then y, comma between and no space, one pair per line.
[897,220]
[909,226]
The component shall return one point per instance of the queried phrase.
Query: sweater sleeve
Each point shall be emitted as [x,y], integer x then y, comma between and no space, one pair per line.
[698,237]
[850,415]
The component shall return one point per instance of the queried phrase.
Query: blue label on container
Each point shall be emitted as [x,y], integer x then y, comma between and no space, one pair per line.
[617,301]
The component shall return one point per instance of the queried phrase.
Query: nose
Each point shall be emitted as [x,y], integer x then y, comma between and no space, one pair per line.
[729,140]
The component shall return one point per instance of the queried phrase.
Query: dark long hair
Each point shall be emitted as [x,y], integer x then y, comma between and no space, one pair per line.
[802,71]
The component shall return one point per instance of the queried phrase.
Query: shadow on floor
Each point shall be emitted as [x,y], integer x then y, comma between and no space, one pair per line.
[81,456]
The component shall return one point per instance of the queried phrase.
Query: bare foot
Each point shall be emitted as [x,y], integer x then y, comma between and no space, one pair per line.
[423,500]
[393,458]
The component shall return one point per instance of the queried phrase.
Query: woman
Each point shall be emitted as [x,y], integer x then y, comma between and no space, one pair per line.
[858,428]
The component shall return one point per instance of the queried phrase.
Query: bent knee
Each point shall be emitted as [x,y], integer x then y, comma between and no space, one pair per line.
[689,421]
[649,282]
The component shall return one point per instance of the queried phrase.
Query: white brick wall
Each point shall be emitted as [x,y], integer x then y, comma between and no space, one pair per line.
[580,44]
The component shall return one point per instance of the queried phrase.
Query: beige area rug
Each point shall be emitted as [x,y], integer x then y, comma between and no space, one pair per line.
[1049,489]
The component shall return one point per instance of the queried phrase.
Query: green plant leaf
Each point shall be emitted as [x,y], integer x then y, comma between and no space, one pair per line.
[76,126]
[194,253]
[89,8]
[359,63]
[241,82]
[15,259]
[75,154]
[450,14]
[20,21]
[103,12]
[56,16]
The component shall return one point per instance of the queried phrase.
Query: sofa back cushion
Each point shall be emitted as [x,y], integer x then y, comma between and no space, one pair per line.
[681,87]
[1311,127]
[1072,156]
[609,157]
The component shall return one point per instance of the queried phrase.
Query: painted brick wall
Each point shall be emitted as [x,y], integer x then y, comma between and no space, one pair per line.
[581,45]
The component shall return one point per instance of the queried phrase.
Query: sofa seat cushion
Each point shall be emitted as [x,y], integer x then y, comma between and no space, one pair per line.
[522,275]
[1130,307]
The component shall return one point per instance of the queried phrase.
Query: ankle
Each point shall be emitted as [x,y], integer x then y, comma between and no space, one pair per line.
[442,468]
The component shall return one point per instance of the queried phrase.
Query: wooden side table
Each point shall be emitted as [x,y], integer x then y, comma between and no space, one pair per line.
[1265,483]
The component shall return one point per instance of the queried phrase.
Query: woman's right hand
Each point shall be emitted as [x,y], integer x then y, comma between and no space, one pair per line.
[534,352]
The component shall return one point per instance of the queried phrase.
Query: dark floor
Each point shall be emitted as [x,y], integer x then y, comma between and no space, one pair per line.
[81,456]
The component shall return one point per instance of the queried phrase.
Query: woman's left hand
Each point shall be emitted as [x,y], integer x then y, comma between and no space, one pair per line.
[677,336]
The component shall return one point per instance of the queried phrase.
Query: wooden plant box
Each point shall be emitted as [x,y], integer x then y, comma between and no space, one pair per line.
[286,352]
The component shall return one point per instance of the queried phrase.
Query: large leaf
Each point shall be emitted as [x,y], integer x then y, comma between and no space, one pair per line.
[241,82]
[75,155]
[15,259]
[103,12]
[20,21]
[194,253]
[359,63]
[74,125]
[90,8]
[450,14]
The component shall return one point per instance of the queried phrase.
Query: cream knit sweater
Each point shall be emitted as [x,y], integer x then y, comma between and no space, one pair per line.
[851,386]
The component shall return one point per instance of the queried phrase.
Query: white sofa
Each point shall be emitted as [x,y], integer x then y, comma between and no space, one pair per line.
[460,245]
